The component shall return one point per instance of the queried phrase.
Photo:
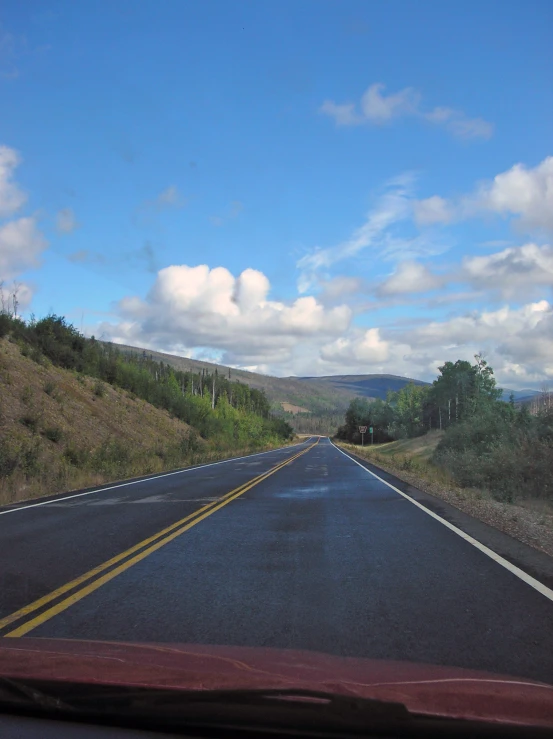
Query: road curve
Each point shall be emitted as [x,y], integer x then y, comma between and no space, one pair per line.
[298,548]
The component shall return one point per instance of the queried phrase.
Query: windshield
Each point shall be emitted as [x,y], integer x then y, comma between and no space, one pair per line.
[276,337]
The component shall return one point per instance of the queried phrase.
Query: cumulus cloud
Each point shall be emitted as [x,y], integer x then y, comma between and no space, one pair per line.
[378,108]
[201,307]
[513,271]
[65,221]
[367,346]
[11,197]
[518,343]
[410,277]
[341,287]
[21,245]
[523,193]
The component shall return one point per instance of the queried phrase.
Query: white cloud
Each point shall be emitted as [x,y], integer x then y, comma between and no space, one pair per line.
[410,277]
[11,197]
[341,287]
[21,245]
[65,221]
[432,210]
[394,206]
[513,271]
[520,192]
[201,307]
[382,232]
[378,108]
[367,347]
[523,192]
[344,115]
[517,342]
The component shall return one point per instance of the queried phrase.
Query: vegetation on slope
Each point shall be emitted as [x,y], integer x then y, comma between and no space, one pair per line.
[75,412]
[316,398]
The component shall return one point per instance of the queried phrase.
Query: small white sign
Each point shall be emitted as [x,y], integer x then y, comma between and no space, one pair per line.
[362,429]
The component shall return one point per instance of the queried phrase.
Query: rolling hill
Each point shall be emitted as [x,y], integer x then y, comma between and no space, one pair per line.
[368,386]
[294,392]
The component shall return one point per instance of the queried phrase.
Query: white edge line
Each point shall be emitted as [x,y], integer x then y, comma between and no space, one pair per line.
[525,577]
[146,479]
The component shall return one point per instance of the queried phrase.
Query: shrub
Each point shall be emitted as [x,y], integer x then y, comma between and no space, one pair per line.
[99,389]
[5,325]
[30,421]
[77,456]
[36,355]
[54,433]
[27,395]
[50,388]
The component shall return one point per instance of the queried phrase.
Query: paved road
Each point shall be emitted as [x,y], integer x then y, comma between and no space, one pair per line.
[308,550]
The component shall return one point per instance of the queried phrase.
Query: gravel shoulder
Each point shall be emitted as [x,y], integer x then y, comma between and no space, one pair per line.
[530,522]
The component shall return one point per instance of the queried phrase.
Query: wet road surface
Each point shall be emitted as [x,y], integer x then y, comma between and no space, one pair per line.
[306,550]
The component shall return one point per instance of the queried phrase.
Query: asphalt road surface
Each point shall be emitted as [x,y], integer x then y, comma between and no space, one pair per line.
[299,548]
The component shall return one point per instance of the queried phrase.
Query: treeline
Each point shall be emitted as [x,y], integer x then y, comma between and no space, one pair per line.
[225,411]
[488,443]
[324,423]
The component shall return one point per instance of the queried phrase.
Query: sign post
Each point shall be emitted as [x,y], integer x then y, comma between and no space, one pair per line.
[363,431]
[371,430]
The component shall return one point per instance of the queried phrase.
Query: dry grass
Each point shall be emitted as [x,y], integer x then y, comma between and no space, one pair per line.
[61,431]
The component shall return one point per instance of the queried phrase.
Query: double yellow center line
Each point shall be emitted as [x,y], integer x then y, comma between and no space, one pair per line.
[100,575]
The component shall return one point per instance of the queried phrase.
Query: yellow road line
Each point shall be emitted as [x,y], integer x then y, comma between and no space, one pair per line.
[197,516]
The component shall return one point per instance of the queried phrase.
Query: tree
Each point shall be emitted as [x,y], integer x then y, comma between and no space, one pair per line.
[408,410]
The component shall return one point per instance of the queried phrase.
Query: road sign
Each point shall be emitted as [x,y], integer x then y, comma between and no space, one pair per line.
[370,430]
[362,429]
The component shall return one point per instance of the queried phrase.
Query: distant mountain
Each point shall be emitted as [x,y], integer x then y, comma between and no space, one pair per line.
[368,386]
[520,395]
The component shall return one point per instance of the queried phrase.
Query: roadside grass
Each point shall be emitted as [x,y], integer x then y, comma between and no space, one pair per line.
[414,457]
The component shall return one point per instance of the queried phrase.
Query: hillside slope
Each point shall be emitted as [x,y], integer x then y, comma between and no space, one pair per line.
[292,391]
[60,430]
[368,386]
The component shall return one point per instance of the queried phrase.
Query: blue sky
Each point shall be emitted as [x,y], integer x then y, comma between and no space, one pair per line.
[293,187]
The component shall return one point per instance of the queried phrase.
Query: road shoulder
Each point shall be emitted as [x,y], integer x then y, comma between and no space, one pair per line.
[535,562]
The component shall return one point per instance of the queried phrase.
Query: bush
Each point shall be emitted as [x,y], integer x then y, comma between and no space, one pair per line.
[76,455]
[27,395]
[30,421]
[50,388]
[99,389]
[5,325]
[54,433]
[511,460]
[8,460]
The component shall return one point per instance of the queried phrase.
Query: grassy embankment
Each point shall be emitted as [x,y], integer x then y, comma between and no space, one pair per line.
[62,430]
